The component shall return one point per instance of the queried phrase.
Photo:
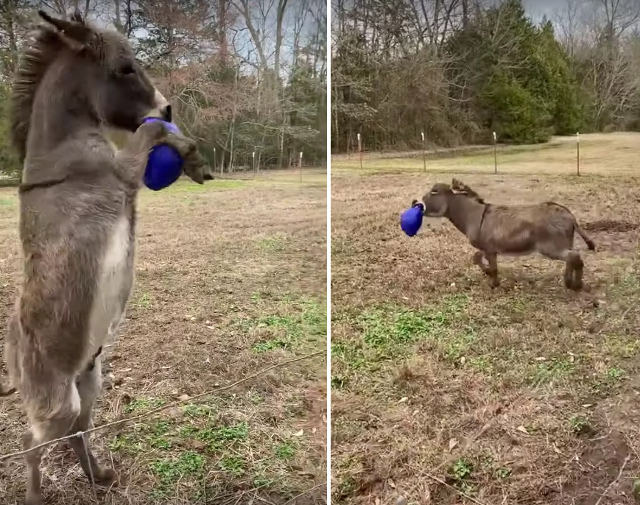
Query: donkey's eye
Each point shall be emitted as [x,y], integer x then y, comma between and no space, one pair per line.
[434,192]
[127,69]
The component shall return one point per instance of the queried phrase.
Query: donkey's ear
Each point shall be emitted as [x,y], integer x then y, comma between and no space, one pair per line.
[77,16]
[457,186]
[75,33]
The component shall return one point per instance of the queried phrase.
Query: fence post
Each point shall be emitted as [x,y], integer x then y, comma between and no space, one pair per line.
[578,153]
[424,153]
[253,162]
[300,165]
[360,149]
[495,153]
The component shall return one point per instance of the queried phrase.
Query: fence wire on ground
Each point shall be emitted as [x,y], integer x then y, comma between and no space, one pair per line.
[153,412]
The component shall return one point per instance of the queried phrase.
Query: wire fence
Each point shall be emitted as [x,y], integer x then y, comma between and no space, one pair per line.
[156,411]
[428,157]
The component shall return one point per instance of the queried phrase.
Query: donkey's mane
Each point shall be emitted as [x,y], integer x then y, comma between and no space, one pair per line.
[472,194]
[41,49]
[467,191]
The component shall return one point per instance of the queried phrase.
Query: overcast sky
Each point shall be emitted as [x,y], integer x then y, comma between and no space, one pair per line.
[537,8]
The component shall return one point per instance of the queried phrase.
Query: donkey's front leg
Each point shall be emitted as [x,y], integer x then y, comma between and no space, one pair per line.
[478,259]
[132,160]
[491,269]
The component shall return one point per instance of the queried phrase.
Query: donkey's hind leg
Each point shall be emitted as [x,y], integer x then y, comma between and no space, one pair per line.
[89,384]
[52,419]
[577,264]
[573,265]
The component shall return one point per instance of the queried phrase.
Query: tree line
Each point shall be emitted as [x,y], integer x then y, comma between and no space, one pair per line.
[458,70]
[247,78]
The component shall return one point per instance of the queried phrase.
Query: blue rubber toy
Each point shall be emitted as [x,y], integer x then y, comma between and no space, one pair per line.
[164,164]
[411,219]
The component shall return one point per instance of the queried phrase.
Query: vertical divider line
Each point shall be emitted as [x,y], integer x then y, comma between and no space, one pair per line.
[328,154]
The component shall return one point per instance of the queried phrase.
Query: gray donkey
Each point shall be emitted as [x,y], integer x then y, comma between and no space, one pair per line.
[547,228]
[77,221]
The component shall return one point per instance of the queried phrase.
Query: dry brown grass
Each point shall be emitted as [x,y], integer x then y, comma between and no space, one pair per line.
[526,394]
[230,279]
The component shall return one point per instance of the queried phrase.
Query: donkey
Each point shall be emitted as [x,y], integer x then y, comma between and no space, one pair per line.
[77,221]
[547,228]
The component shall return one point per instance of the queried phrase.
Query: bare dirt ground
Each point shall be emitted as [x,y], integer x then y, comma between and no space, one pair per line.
[446,391]
[231,278]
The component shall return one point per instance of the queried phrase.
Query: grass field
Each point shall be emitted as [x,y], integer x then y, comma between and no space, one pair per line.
[231,278]
[446,391]
[600,154]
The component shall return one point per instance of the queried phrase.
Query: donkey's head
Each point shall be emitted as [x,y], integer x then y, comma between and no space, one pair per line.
[436,201]
[97,67]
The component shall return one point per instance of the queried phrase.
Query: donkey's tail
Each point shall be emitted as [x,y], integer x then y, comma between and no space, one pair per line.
[576,227]
[590,243]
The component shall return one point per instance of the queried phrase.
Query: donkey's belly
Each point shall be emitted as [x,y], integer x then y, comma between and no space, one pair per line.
[113,286]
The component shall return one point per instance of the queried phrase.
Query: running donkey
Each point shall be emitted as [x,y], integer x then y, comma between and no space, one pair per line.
[547,228]
[77,221]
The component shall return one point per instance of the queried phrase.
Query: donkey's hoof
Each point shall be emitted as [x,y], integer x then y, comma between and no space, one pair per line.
[33,499]
[573,285]
[106,476]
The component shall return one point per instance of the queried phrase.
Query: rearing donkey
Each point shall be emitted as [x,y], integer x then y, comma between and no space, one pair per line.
[547,228]
[77,221]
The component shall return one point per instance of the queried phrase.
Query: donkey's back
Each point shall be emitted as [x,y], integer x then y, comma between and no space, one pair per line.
[523,229]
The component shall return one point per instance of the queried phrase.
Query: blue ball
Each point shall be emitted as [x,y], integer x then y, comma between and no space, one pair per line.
[411,219]
[164,164]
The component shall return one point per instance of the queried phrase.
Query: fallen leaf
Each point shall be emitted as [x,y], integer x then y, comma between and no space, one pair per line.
[196,444]
[522,429]
[452,444]
[403,399]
